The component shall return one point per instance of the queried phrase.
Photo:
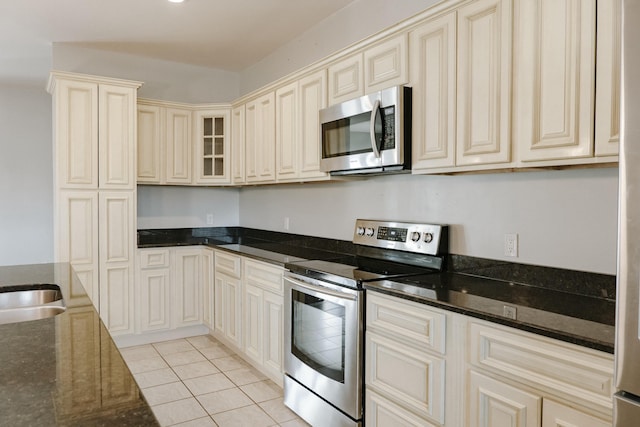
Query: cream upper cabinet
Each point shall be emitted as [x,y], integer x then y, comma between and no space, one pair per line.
[178,146]
[75,133]
[608,72]
[433,77]
[554,79]
[287,136]
[313,98]
[212,150]
[346,80]
[484,82]
[237,144]
[150,157]
[260,139]
[379,66]
[386,64]
[298,128]
[117,137]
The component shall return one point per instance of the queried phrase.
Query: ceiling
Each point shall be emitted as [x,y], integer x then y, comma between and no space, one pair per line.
[224,34]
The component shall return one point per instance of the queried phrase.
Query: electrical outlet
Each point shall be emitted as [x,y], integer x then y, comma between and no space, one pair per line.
[286,223]
[511,245]
[509,312]
[210,219]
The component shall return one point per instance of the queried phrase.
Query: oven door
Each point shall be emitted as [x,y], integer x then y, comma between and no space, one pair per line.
[324,340]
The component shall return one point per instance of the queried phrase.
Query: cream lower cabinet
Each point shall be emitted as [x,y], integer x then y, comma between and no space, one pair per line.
[228,298]
[263,316]
[208,290]
[520,379]
[404,363]
[173,286]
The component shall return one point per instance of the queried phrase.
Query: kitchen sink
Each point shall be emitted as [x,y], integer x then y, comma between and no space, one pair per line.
[30,303]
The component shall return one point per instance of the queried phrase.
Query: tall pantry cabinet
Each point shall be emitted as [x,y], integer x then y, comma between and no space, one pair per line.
[94,149]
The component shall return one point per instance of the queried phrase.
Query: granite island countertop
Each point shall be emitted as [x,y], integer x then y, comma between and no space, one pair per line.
[64,370]
[572,306]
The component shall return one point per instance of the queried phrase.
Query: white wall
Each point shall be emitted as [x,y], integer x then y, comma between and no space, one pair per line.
[180,207]
[26,174]
[169,81]
[564,219]
[355,22]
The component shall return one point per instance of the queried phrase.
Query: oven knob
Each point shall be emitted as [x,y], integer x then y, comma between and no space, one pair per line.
[415,236]
[369,231]
[428,237]
[360,231]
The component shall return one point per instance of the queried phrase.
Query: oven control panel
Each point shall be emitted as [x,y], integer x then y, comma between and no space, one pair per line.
[403,236]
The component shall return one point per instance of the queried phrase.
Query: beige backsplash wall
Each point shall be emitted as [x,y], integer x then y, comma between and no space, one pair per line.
[564,219]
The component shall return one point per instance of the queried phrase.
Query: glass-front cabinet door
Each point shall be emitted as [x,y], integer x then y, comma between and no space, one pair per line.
[212,146]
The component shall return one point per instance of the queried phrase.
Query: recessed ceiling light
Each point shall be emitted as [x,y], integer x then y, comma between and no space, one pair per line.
[176,1]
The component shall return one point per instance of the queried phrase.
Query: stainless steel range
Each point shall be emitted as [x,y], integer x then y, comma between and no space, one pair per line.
[324,316]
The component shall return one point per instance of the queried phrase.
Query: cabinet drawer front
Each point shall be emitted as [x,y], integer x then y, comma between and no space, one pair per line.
[264,276]
[415,323]
[553,366]
[411,378]
[228,264]
[381,412]
[154,258]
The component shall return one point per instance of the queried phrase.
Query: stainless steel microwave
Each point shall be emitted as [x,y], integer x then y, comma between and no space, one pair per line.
[370,134]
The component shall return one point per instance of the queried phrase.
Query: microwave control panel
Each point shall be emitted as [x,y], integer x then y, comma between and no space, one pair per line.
[411,237]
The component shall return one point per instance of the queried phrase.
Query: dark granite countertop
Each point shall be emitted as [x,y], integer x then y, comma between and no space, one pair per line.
[579,319]
[572,306]
[64,370]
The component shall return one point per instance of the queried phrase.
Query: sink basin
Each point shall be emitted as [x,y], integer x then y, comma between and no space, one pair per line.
[24,304]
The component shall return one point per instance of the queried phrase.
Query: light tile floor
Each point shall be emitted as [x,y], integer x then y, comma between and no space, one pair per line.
[198,382]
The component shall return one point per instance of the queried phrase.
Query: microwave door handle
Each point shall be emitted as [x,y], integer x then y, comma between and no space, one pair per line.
[372,128]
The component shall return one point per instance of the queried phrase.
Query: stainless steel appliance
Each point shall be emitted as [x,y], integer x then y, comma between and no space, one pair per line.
[627,351]
[370,134]
[324,316]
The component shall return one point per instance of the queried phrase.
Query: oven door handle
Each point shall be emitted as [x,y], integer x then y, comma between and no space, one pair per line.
[322,289]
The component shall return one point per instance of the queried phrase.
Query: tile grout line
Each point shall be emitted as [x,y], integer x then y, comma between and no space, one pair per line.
[235,386]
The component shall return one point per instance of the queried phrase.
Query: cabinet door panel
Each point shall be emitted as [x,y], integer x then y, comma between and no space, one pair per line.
[415,378]
[208,287]
[149,142]
[608,72]
[433,75]
[238,144]
[346,79]
[287,140]
[187,284]
[76,240]
[381,412]
[253,323]
[557,415]
[212,147]
[117,243]
[155,299]
[232,318]
[117,133]
[313,97]
[495,404]
[273,342]
[385,64]
[484,82]
[260,139]
[178,146]
[76,134]
[555,79]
